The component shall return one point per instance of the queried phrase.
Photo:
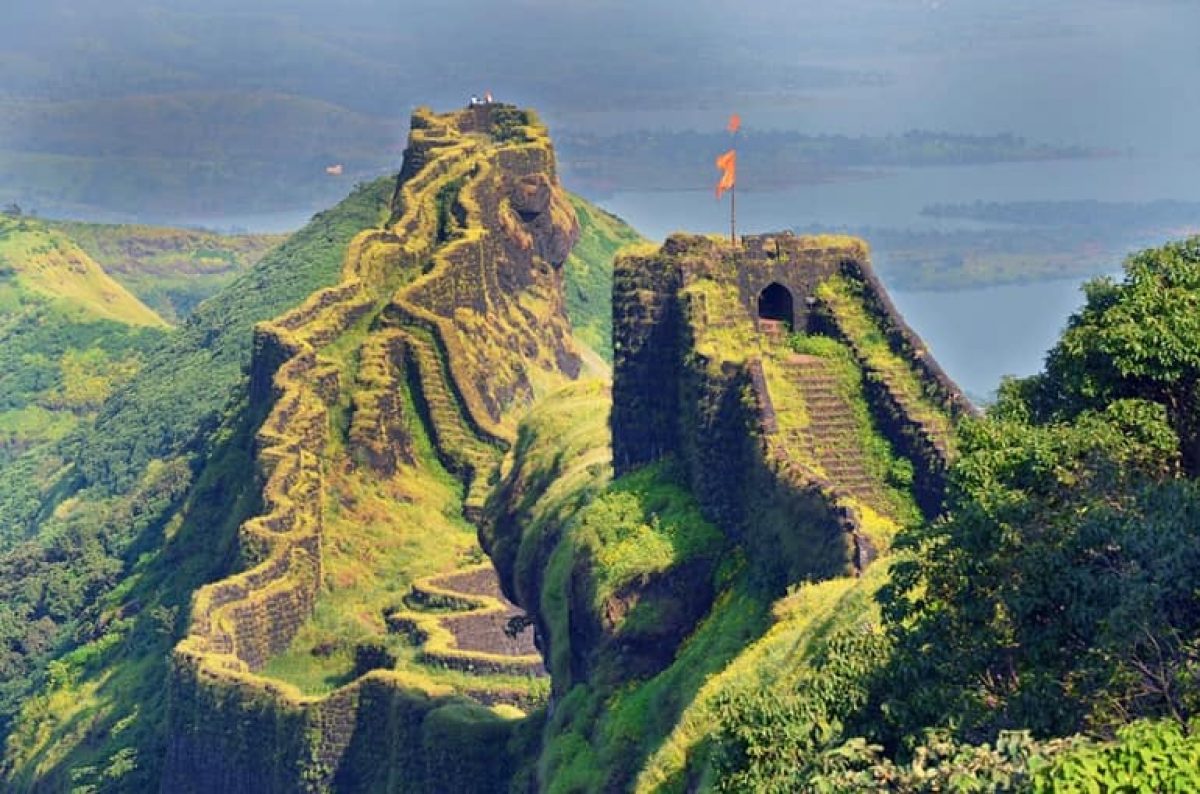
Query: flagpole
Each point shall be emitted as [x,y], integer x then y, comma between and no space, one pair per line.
[727,162]
[733,215]
[735,125]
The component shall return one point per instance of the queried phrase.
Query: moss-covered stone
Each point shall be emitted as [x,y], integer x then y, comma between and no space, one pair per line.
[455,308]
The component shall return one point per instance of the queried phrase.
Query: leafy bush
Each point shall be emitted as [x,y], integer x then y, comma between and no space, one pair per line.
[768,740]
[1160,757]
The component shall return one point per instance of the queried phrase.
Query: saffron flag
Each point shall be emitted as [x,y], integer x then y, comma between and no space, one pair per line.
[735,124]
[728,165]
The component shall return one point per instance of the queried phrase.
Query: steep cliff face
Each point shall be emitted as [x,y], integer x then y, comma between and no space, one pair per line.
[754,365]
[773,424]
[445,326]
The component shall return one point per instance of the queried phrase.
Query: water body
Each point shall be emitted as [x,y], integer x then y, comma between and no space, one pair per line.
[981,335]
[978,334]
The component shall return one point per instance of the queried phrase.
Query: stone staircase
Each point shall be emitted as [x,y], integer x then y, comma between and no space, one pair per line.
[831,438]
[775,331]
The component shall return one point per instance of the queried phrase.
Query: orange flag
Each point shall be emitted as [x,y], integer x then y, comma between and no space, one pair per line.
[735,124]
[728,165]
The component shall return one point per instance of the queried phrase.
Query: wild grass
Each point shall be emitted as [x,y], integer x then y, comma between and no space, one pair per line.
[869,341]
[644,524]
[799,625]
[46,262]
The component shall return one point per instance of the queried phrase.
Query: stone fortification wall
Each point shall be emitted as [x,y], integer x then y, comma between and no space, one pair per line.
[463,291]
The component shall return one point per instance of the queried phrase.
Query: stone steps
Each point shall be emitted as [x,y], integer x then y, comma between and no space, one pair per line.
[831,437]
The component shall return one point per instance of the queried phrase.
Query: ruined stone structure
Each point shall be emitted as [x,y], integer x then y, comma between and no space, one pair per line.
[769,437]
[457,302]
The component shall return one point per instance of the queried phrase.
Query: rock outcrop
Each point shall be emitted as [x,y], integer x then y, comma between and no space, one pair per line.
[458,302]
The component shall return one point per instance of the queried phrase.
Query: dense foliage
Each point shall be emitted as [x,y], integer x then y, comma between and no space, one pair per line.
[105,534]
[1044,633]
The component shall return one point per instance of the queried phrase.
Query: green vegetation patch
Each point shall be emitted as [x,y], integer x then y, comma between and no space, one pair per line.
[170,270]
[589,274]
[644,524]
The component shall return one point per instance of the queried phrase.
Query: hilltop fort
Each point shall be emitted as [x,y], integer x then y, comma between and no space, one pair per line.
[703,358]
[436,398]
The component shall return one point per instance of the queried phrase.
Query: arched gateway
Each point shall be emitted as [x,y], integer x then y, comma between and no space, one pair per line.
[775,305]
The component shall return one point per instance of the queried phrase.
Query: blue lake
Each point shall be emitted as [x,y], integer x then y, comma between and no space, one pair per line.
[979,335]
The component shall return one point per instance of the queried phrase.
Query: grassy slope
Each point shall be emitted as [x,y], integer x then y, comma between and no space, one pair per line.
[382,535]
[103,710]
[171,270]
[69,335]
[589,274]
[99,719]
[48,263]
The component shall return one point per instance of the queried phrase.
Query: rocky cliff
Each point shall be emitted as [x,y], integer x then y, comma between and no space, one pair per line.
[446,324]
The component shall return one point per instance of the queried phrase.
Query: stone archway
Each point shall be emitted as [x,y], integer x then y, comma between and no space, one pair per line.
[775,305]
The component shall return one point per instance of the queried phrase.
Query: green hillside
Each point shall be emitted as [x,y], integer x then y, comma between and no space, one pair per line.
[589,274]
[70,335]
[140,510]
[47,263]
[170,270]
[155,493]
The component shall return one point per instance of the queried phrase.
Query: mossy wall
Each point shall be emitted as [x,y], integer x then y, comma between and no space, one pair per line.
[383,733]
[669,399]
[471,322]
[647,356]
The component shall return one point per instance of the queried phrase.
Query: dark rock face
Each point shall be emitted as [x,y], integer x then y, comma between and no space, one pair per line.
[533,197]
[711,414]
[647,351]
[479,233]
[607,644]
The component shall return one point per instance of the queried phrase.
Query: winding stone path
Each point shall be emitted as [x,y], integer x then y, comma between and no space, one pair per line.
[461,619]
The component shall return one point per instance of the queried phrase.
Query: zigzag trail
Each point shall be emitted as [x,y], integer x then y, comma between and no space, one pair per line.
[241,622]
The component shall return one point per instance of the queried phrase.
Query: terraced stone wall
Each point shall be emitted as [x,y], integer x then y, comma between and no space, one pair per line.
[479,310]
[383,733]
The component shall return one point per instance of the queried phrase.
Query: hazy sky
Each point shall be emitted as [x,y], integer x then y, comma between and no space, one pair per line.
[1103,71]
[127,105]
[168,78]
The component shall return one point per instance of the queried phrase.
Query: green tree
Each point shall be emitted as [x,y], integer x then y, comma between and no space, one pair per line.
[1140,339]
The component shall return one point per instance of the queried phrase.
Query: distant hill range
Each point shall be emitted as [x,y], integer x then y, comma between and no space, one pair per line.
[80,304]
